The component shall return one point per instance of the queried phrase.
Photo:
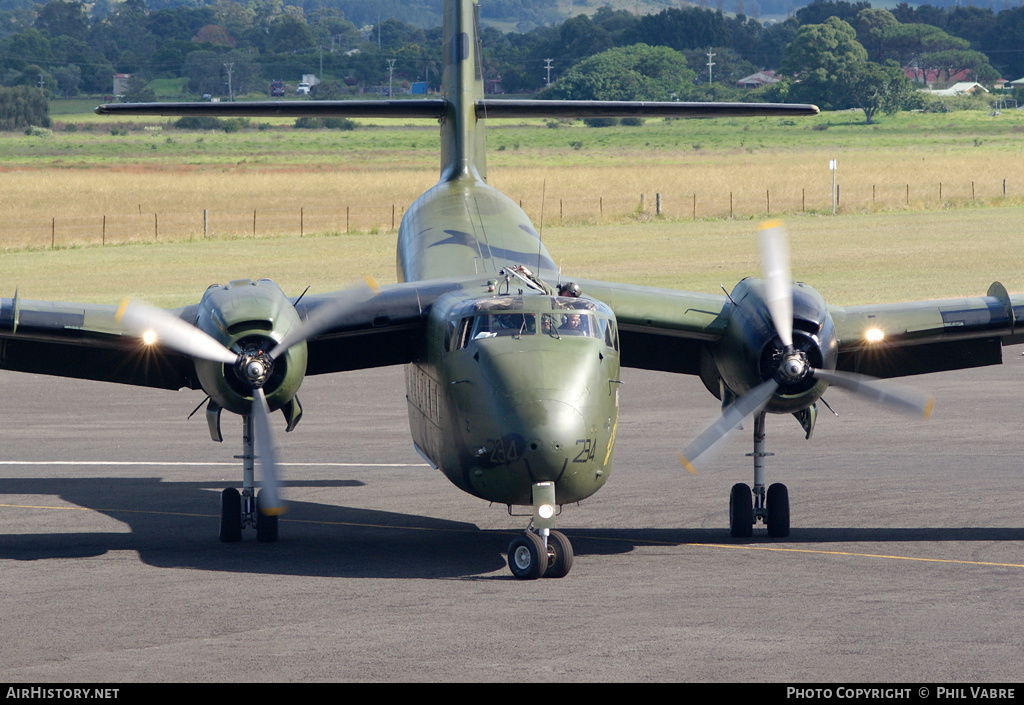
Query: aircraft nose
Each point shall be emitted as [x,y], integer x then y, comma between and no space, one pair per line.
[551,429]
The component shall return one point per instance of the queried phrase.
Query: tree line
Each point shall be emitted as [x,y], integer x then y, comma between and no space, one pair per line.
[845,54]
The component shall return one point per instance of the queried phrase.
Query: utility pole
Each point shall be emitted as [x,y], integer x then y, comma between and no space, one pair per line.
[231,94]
[547,65]
[710,64]
[391,72]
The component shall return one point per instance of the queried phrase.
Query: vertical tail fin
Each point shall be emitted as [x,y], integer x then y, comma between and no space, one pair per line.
[462,140]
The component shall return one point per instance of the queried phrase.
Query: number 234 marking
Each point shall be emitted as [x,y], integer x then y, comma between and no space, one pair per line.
[588,447]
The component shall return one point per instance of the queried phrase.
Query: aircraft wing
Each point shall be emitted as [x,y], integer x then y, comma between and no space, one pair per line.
[668,330]
[86,341]
[928,336]
[661,329]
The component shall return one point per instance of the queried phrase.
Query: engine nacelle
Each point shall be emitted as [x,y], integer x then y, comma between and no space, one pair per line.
[250,318]
[750,352]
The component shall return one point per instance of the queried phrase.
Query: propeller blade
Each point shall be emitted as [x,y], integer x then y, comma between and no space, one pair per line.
[751,402]
[774,249]
[270,496]
[323,317]
[872,388]
[158,325]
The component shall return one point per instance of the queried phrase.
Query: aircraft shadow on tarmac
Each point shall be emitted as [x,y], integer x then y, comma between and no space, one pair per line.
[174,525]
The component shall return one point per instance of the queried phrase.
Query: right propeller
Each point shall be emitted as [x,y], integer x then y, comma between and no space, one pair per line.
[252,364]
[791,365]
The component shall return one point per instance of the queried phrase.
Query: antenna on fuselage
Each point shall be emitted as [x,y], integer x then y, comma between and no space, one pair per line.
[543,191]
[540,235]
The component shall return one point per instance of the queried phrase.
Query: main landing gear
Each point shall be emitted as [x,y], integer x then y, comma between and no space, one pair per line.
[771,506]
[541,551]
[241,509]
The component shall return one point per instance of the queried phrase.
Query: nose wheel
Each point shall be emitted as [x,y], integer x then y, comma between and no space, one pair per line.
[245,508]
[540,551]
[530,556]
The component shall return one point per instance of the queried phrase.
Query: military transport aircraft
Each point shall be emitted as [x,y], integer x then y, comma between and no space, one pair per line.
[512,370]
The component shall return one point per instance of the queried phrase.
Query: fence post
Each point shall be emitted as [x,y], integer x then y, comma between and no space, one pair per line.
[156,228]
[254,223]
[940,191]
[301,222]
[908,194]
[346,219]
[768,200]
[206,224]
[53,229]
[600,200]
[643,203]
[730,205]
[103,240]
[657,204]
[972,190]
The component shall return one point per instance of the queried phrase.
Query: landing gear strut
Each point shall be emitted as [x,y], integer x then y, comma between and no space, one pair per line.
[540,550]
[241,509]
[771,506]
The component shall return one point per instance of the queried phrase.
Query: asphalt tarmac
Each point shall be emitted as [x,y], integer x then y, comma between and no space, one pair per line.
[905,562]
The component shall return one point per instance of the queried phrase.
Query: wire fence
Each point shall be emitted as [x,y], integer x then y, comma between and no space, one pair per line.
[301,221]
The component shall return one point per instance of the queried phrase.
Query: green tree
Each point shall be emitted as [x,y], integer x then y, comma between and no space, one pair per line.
[138,90]
[58,18]
[823,56]
[202,68]
[68,79]
[637,72]
[23,106]
[871,25]
[874,88]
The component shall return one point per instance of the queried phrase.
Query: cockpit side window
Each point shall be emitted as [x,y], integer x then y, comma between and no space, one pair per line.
[461,338]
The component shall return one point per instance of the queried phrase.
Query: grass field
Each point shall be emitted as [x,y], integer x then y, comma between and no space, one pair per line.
[896,237]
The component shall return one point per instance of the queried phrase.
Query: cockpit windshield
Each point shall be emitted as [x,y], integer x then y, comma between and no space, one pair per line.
[490,325]
[554,316]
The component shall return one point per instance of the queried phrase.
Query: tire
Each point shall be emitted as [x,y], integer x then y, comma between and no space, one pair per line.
[741,512]
[559,555]
[266,524]
[230,515]
[777,505]
[527,557]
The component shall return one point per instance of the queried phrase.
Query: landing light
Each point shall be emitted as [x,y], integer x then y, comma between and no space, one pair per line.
[545,511]
[874,335]
[149,337]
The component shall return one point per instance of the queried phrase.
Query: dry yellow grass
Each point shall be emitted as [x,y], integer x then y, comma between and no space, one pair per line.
[73,206]
[883,248]
[782,182]
[851,260]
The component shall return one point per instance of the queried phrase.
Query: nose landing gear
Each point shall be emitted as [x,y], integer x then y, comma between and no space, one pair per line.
[540,551]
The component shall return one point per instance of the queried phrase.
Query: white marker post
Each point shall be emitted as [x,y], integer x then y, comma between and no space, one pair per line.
[832,165]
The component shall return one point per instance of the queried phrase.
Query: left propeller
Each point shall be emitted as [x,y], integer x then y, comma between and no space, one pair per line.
[253,365]
[791,366]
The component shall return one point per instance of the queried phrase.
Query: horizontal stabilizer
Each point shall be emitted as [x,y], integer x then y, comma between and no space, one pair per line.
[435,109]
[432,109]
[621,108]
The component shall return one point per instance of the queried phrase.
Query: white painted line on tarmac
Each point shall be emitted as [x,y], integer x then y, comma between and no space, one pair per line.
[207,464]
